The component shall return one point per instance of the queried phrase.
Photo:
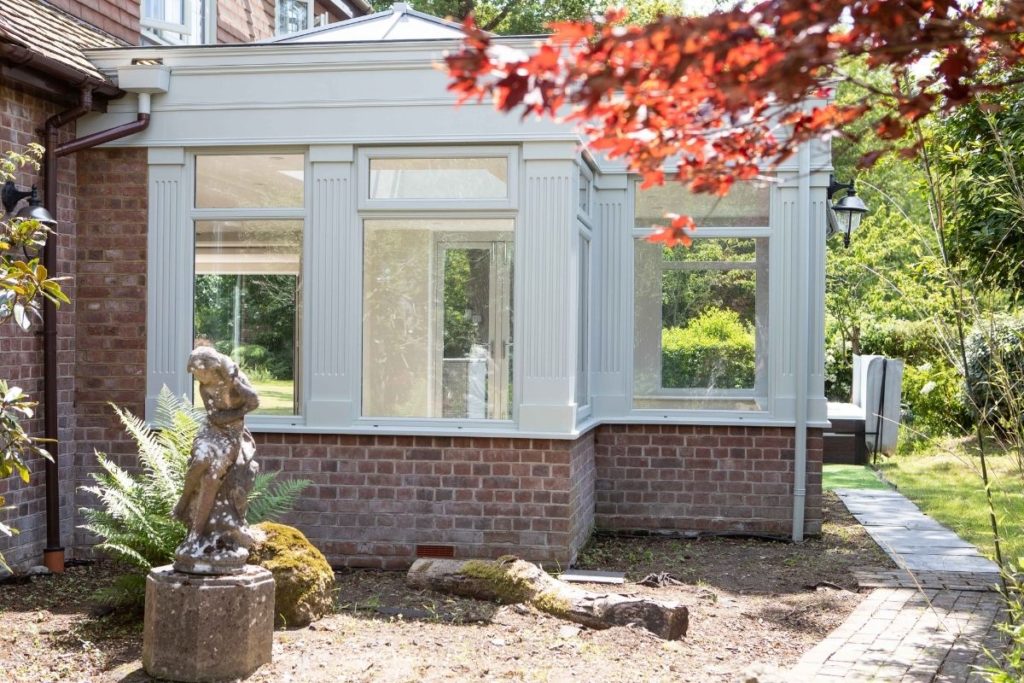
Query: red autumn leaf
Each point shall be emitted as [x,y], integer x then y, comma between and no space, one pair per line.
[710,91]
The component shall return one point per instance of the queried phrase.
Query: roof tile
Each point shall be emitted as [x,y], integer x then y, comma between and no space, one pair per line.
[52,33]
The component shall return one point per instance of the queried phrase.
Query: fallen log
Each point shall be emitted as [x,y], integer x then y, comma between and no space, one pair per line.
[510,580]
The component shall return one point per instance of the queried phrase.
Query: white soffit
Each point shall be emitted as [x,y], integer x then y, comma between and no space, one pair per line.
[401,22]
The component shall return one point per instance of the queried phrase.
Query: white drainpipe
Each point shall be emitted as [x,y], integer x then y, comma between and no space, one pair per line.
[803,330]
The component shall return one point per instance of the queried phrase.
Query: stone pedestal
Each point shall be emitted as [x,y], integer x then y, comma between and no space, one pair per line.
[207,628]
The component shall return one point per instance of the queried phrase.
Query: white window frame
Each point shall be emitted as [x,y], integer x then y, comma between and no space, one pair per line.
[411,209]
[277,15]
[199,15]
[301,213]
[507,203]
[764,400]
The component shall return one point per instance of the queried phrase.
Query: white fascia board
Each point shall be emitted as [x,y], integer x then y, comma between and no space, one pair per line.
[271,55]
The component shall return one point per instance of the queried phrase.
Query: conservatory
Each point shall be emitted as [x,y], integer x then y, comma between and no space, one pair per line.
[456,326]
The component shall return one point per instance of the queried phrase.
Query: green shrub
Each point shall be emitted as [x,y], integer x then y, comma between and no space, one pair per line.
[933,393]
[133,517]
[715,349]
[914,341]
[995,369]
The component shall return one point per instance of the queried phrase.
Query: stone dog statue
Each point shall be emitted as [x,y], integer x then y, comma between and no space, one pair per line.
[221,471]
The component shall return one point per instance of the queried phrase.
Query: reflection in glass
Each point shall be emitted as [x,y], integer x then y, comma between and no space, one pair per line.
[701,324]
[746,206]
[440,178]
[247,294]
[437,318]
[229,181]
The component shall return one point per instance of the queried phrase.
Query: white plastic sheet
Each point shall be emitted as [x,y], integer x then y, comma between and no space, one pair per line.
[875,378]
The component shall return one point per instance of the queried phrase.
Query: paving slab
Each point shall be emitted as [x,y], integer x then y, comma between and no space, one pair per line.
[911,538]
[929,620]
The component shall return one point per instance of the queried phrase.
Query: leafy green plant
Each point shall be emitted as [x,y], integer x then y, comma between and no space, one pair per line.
[25,285]
[716,349]
[133,517]
[1008,665]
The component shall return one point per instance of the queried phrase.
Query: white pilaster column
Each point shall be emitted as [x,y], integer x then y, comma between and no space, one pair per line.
[333,255]
[169,271]
[546,264]
[788,253]
[612,267]
[817,406]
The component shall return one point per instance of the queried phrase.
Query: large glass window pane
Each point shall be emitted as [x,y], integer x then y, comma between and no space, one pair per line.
[247,302]
[437,318]
[439,178]
[252,181]
[745,206]
[701,324]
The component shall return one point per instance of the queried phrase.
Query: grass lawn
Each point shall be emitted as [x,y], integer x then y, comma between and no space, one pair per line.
[945,481]
[275,397]
[850,477]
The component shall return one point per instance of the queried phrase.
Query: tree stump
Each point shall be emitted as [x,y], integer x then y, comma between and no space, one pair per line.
[510,580]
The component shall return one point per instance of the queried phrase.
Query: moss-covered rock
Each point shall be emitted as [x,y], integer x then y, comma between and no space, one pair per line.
[303,580]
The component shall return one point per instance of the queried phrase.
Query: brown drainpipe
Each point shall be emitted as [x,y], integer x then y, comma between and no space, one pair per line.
[53,554]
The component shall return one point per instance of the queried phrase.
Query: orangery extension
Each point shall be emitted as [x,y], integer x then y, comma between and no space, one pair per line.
[456,326]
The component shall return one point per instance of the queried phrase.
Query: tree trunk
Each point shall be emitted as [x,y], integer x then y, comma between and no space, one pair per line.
[510,580]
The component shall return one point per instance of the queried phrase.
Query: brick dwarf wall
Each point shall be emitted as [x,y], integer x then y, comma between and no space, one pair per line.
[375,498]
[21,353]
[702,478]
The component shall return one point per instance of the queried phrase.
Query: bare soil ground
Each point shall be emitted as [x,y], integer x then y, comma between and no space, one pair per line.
[751,601]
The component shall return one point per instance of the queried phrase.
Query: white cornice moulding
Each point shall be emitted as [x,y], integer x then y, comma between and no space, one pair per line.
[550,151]
[166,156]
[328,153]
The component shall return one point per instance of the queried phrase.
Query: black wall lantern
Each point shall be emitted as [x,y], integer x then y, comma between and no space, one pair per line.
[33,210]
[845,214]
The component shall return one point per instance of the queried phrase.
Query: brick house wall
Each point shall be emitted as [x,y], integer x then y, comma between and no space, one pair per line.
[703,478]
[119,18]
[21,353]
[110,360]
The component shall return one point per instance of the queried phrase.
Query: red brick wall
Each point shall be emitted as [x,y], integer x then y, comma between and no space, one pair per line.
[110,361]
[21,354]
[119,18]
[376,498]
[702,478]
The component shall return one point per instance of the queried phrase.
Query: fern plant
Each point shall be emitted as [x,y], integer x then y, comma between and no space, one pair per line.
[133,515]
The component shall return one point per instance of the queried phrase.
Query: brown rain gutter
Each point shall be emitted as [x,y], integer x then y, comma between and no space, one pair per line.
[53,554]
[24,57]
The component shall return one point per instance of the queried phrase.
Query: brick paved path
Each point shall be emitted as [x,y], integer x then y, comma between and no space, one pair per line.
[918,624]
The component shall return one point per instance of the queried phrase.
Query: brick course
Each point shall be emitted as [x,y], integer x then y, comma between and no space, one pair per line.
[110,359]
[702,478]
[376,497]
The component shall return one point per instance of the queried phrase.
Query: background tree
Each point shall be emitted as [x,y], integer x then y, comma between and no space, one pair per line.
[507,17]
[714,91]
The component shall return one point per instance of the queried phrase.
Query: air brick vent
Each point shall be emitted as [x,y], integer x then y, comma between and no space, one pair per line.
[435,551]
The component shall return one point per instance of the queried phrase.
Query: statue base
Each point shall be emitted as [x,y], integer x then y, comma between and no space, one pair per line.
[207,628]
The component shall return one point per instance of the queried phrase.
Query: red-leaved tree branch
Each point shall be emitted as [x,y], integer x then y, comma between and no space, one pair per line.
[726,94]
